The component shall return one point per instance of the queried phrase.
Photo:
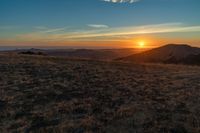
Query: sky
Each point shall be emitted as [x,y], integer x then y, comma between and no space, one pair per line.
[99,23]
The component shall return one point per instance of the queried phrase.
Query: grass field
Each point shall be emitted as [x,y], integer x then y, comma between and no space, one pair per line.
[58,95]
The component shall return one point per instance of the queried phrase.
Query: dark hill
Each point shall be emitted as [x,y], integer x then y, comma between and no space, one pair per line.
[171,53]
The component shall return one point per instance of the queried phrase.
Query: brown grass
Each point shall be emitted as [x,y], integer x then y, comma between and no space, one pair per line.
[59,95]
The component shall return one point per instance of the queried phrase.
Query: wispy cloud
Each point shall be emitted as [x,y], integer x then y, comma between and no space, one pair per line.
[54,30]
[98,26]
[121,1]
[108,33]
[44,29]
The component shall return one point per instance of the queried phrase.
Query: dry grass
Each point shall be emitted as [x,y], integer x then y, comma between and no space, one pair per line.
[58,95]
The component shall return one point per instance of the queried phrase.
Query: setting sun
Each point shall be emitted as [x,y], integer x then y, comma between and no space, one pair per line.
[141,44]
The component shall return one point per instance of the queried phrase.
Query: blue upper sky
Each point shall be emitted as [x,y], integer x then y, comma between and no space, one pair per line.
[19,18]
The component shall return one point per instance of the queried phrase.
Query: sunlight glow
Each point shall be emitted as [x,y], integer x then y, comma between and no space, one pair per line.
[141,44]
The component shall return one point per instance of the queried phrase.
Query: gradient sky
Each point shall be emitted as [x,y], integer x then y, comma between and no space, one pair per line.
[99,23]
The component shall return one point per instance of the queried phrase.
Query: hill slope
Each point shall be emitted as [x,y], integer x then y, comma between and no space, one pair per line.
[170,53]
[41,94]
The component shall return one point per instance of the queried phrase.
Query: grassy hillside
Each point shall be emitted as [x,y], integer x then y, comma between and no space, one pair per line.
[59,95]
[170,54]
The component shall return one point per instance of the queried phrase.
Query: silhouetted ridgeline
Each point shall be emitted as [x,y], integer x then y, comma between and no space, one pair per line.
[96,54]
[171,53]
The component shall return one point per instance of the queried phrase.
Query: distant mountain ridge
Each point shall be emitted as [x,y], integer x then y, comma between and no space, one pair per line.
[96,54]
[170,53]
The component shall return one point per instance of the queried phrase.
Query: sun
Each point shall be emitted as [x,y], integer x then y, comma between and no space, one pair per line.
[141,44]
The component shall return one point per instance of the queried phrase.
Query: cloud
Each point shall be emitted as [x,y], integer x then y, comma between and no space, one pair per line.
[98,26]
[43,29]
[54,30]
[121,1]
[109,33]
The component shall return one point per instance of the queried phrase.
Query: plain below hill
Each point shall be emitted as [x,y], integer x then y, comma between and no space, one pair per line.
[94,54]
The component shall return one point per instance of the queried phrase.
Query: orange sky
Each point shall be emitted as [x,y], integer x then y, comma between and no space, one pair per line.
[99,23]
[134,42]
